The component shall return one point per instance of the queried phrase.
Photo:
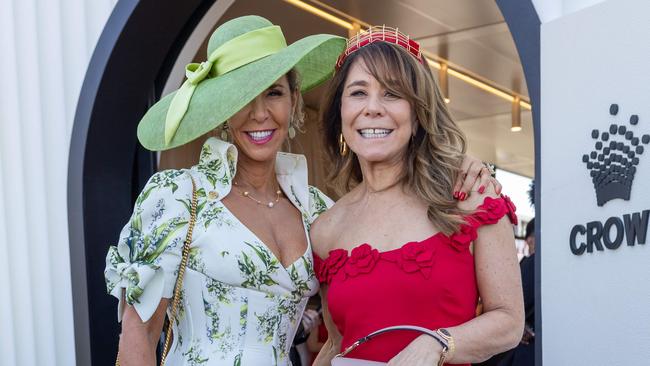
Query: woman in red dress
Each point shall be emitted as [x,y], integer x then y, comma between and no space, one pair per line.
[401,247]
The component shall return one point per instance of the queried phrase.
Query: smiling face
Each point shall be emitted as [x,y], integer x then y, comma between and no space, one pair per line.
[377,123]
[260,128]
[383,87]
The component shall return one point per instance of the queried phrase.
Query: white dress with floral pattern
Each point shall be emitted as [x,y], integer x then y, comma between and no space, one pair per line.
[239,305]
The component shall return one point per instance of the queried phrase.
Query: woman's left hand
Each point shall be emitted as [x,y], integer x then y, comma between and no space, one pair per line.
[472,170]
[423,351]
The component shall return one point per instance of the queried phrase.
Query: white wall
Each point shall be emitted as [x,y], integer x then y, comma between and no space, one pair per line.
[594,306]
[45,47]
[548,10]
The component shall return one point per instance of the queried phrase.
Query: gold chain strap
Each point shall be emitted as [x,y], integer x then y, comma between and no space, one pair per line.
[176,299]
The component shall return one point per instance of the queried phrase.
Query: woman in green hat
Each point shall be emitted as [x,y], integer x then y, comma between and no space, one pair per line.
[223,247]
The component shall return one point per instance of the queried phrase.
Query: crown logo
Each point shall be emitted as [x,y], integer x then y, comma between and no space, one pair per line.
[613,163]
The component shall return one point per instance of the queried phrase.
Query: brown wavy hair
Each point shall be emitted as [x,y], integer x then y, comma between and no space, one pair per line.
[435,152]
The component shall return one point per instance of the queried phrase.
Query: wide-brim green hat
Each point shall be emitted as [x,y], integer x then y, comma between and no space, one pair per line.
[246,55]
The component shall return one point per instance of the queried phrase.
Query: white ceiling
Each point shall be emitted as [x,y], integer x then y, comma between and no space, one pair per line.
[471,34]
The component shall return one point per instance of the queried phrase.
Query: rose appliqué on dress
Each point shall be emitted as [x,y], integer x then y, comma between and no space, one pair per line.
[417,257]
[511,209]
[362,260]
[494,209]
[491,210]
[466,234]
[331,266]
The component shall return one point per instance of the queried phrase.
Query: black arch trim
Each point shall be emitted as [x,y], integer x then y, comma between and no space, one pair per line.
[524,25]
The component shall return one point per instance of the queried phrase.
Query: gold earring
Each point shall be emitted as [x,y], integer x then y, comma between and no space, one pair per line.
[292,130]
[343,147]
[224,131]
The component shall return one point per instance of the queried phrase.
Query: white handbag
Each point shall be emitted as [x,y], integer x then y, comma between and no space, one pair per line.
[341,360]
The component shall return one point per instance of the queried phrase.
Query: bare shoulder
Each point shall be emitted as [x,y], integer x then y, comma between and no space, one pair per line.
[325,231]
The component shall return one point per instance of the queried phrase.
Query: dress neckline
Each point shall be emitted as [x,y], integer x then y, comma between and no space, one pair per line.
[348,251]
[489,212]
[266,247]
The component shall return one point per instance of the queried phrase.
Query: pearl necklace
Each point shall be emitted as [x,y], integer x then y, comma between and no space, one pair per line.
[247,194]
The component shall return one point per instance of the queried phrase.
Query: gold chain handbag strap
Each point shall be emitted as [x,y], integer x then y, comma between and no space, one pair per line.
[176,299]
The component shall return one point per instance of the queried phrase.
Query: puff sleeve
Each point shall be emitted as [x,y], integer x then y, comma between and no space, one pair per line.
[144,263]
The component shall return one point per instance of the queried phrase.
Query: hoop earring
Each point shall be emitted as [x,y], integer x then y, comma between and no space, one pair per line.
[343,147]
[224,132]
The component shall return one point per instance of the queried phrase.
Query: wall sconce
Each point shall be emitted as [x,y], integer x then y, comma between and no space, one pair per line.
[516,115]
[443,77]
[356,28]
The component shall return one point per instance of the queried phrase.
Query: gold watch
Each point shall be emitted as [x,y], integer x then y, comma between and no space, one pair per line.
[451,347]
[443,356]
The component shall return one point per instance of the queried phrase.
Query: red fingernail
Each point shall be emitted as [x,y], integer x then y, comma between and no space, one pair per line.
[481,189]
[456,195]
[462,196]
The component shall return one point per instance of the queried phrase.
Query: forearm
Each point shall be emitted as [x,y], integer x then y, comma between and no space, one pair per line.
[490,333]
[327,353]
[313,345]
[139,339]
[137,348]
[501,325]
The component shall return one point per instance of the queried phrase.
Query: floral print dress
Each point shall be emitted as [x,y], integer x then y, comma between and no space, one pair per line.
[239,305]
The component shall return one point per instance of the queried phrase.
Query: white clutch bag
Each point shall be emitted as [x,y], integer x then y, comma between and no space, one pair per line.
[344,361]
[341,360]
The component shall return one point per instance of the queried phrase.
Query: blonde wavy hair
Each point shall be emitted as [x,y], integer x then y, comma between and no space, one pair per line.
[434,154]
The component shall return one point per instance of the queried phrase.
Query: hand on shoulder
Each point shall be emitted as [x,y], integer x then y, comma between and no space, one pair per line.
[476,199]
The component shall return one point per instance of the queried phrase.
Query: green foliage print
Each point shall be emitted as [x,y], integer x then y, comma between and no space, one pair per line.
[319,203]
[268,324]
[274,318]
[200,204]
[145,249]
[212,167]
[301,283]
[163,179]
[222,292]
[194,356]
[256,277]
[295,196]
[161,238]
[224,340]
[215,213]
[195,260]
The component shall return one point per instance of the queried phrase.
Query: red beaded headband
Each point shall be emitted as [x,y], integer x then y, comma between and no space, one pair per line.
[380,34]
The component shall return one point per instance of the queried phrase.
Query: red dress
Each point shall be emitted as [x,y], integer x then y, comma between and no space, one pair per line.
[430,283]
